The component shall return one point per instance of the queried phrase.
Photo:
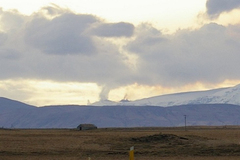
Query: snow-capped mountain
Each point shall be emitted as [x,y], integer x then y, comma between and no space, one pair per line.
[70,116]
[229,95]
[213,107]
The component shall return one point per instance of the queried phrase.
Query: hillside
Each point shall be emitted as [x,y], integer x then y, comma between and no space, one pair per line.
[229,95]
[213,107]
[120,116]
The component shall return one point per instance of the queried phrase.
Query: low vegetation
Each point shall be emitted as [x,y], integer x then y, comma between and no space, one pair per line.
[196,143]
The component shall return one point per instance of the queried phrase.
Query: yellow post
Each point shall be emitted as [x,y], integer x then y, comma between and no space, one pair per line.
[131,153]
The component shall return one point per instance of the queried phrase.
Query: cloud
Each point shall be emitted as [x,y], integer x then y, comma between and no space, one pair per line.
[216,7]
[53,10]
[60,48]
[64,46]
[61,35]
[207,55]
[114,30]
[9,54]
[3,38]
[11,20]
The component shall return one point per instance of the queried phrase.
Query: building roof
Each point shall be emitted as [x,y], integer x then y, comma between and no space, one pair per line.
[87,125]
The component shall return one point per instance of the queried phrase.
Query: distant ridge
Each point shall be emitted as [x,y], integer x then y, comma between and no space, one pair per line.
[70,116]
[8,104]
[210,108]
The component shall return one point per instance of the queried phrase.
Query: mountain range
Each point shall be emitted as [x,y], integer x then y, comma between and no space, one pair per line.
[213,107]
[230,95]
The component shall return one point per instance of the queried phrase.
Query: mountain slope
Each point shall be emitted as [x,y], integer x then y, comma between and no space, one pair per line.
[213,107]
[179,98]
[229,95]
[120,116]
[8,104]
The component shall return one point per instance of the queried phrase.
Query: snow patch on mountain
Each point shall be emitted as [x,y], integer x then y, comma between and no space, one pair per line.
[230,95]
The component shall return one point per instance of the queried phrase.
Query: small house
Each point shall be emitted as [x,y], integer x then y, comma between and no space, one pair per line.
[86,127]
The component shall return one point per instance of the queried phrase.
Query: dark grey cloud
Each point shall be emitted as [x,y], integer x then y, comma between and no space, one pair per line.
[114,30]
[9,54]
[148,38]
[208,55]
[61,35]
[31,49]
[216,7]
[3,38]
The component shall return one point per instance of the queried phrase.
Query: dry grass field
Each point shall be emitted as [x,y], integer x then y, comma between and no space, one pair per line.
[198,143]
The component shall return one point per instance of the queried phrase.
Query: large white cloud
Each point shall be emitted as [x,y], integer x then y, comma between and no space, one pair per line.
[61,48]
[216,7]
[64,46]
[209,54]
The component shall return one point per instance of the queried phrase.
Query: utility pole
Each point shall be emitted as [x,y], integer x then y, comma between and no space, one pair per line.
[185,120]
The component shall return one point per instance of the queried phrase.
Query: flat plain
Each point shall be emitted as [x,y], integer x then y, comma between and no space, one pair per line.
[198,143]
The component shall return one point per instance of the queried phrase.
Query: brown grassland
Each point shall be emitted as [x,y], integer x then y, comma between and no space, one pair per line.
[198,143]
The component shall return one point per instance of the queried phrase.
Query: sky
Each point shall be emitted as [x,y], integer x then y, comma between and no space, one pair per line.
[82,51]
